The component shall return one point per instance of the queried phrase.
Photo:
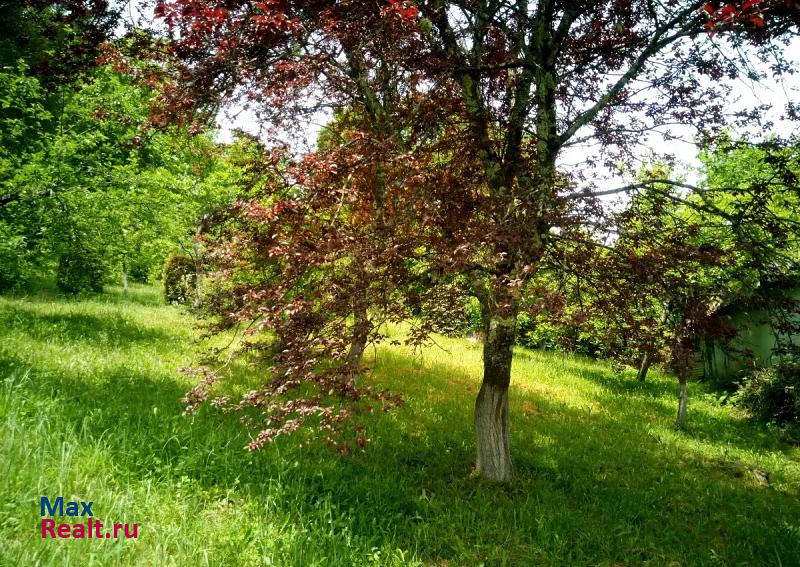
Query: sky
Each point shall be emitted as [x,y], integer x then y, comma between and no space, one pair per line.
[680,145]
[679,142]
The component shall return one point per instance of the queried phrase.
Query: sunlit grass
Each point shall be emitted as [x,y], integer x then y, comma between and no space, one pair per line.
[90,410]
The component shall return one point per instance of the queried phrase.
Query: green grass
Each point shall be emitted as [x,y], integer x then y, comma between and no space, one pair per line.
[90,410]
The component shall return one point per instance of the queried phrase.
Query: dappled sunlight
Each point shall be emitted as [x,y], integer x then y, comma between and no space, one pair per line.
[405,249]
[600,470]
[550,383]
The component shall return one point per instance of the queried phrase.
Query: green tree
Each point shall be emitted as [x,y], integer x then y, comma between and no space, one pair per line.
[100,184]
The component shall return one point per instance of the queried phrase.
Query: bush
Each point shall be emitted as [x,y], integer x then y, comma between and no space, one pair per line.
[80,270]
[179,278]
[539,334]
[772,394]
[444,307]
[474,320]
[139,271]
[535,335]
[15,267]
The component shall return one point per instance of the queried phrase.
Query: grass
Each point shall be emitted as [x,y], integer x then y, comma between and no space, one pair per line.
[90,410]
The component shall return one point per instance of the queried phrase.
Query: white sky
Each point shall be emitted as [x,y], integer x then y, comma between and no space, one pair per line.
[746,94]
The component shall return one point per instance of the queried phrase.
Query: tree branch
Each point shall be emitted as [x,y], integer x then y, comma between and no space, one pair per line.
[656,44]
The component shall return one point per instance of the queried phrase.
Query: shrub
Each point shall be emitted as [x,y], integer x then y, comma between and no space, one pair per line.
[474,320]
[535,334]
[80,270]
[15,267]
[772,394]
[179,278]
[539,334]
[444,308]
[139,271]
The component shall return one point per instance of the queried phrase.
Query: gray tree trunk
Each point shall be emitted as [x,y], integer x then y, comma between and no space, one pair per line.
[125,278]
[647,360]
[360,334]
[493,460]
[683,398]
[198,272]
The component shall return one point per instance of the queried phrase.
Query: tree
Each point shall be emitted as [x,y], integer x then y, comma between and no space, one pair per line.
[682,252]
[46,47]
[315,259]
[94,184]
[60,40]
[500,89]
[763,201]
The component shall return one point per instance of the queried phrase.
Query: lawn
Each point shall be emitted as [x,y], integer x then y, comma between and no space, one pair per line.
[90,411]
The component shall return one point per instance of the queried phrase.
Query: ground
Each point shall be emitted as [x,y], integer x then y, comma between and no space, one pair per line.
[90,411]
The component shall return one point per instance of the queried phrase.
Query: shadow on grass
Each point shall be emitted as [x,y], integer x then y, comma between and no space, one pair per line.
[616,473]
[589,368]
[111,330]
[659,396]
[589,489]
[139,294]
[46,290]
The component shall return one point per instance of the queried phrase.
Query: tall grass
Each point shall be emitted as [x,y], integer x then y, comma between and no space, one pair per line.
[90,410]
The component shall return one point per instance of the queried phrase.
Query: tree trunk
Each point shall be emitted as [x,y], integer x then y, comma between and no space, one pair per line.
[125,278]
[491,407]
[647,360]
[683,397]
[198,272]
[360,333]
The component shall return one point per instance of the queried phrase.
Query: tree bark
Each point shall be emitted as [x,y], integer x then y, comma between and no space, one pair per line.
[125,278]
[683,398]
[647,360]
[198,270]
[360,335]
[493,460]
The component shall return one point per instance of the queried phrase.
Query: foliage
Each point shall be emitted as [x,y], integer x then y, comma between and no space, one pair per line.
[461,137]
[23,117]
[80,270]
[681,252]
[81,165]
[547,333]
[96,176]
[180,278]
[60,40]
[445,310]
[16,266]
[772,394]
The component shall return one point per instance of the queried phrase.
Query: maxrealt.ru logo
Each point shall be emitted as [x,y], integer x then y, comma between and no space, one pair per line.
[91,529]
